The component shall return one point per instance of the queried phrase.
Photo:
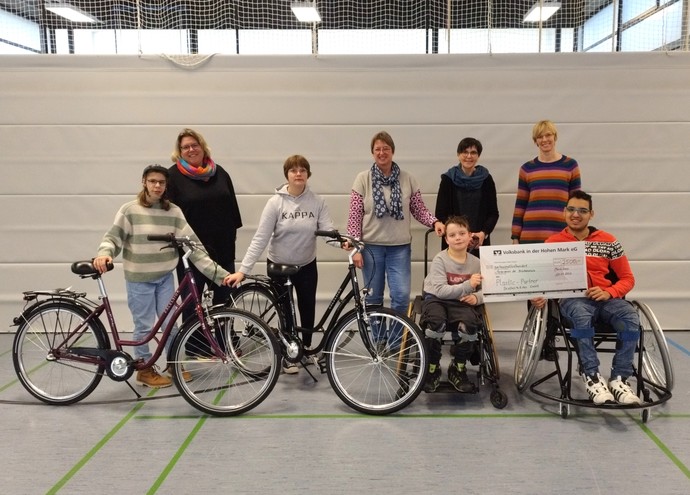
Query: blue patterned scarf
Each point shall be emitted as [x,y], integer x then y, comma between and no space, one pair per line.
[378,181]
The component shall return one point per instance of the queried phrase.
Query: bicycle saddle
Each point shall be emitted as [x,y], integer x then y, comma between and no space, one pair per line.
[278,270]
[86,267]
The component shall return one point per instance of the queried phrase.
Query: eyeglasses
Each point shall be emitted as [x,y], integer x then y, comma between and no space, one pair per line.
[581,211]
[385,149]
[190,147]
[470,153]
[154,182]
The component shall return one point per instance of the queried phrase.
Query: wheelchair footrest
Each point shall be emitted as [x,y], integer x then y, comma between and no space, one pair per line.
[447,387]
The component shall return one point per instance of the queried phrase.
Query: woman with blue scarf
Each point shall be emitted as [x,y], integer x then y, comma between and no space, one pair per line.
[468,189]
[383,201]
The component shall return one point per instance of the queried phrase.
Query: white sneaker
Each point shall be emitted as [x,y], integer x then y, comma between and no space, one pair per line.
[290,368]
[622,391]
[597,389]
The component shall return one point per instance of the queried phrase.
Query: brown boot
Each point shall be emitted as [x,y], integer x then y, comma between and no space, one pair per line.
[186,375]
[149,377]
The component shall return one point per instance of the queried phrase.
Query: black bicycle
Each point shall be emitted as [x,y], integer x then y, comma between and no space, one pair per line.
[374,357]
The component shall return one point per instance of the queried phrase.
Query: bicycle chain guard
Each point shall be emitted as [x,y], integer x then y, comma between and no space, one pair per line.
[119,365]
[294,350]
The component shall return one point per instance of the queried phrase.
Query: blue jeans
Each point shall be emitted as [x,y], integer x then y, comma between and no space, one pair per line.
[583,313]
[392,263]
[146,301]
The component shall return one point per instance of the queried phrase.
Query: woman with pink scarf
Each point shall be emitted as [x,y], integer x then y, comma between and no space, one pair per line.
[206,195]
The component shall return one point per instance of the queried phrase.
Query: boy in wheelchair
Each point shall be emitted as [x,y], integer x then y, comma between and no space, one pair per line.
[603,303]
[452,292]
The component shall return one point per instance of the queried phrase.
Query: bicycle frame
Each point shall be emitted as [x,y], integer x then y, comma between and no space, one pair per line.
[333,311]
[172,310]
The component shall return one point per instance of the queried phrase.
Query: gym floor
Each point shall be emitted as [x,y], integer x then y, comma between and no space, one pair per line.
[303,439]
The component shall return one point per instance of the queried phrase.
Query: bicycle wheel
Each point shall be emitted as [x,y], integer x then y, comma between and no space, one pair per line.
[529,347]
[260,301]
[655,356]
[42,355]
[380,380]
[242,377]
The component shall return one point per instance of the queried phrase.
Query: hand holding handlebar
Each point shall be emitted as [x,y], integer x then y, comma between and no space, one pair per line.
[348,243]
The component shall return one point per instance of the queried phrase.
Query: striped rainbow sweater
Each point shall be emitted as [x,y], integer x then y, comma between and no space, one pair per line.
[144,260]
[543,191]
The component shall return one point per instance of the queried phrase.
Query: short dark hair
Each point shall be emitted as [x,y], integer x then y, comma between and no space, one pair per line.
[296,161]
[579,194]
[155,168]
[460,220]
[468,142]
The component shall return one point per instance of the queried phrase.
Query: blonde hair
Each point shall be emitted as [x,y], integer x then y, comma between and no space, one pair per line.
[177,152]
[543,127]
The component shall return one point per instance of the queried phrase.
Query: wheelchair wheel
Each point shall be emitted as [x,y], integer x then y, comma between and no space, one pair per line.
[655,356]
[498,398]
[241,378]
[644,415]
[381,380]
[495,371]
[529,347]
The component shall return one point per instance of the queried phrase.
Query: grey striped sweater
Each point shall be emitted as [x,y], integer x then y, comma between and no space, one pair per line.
[144,260]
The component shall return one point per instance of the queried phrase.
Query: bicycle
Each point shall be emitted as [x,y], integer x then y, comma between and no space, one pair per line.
[62,350]
[374,357]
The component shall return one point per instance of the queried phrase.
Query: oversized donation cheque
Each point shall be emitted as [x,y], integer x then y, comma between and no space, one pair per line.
[526,271]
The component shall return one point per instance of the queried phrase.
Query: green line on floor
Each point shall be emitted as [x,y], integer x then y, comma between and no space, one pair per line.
[163,476]
[8,385]
[82,462]
[553,415]
[662,446]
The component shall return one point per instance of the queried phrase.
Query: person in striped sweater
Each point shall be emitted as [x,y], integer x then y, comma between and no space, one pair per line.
[544,185]
[148,268]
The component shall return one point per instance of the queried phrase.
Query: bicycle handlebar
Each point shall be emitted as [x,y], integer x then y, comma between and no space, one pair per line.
[170,238]
[357,244]
[334,234]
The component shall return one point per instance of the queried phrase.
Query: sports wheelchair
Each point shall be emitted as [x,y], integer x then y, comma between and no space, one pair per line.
[652,370]
[484,354]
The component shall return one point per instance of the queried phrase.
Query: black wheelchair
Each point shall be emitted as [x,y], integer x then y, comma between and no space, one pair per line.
[652,370]
[484,354]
